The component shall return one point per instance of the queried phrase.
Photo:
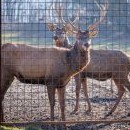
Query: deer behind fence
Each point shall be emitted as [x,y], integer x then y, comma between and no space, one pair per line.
[104,64]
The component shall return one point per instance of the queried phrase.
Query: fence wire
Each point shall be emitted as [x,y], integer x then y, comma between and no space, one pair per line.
[38,23]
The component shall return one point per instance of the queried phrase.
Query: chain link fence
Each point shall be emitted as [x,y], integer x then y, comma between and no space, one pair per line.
[90,96]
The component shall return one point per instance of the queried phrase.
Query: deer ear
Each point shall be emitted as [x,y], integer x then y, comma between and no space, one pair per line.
[52,27]
[93,31]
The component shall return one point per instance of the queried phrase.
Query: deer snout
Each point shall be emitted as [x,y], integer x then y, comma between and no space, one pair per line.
[88,43]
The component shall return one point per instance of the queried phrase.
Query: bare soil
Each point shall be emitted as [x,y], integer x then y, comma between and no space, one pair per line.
[27,102]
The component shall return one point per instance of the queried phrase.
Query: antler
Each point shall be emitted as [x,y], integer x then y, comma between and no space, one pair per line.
[51,25]
[103,11]
[50,12]
[69,25]
[72,24]
[59,13]
[77,17]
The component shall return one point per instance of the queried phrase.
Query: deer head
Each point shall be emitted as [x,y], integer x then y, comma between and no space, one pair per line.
[61,29]
[90,32]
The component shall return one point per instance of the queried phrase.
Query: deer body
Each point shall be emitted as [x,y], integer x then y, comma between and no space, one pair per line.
[104,64]
[28,62]
[52,67]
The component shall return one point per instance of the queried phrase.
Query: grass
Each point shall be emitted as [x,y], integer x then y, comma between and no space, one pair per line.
[14,37]
[113,46]
[7,37]
[10,128]
[30,127]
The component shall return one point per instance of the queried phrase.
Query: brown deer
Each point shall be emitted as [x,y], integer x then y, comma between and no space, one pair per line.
[104,64]
[52,67]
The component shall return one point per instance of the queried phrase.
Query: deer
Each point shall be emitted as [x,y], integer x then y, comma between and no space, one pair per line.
[49,66]
[52,67]
[103,65]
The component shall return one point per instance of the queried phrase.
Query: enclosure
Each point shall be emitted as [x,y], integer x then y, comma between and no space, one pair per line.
[27,22]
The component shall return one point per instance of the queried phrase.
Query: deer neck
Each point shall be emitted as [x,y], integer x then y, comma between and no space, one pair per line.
[67,43]
[77,60]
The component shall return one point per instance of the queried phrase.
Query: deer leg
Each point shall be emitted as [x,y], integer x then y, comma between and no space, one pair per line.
[61,98]
[121,91]
[78,87]
[51,95]
[1,112]
[127,85]
[84,83]
[6,80]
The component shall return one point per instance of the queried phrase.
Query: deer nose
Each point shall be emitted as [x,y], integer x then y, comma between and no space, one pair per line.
[55,37]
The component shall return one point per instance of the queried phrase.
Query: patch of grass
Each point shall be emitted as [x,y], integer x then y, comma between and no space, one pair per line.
[8,37]
[15,37]
[9,128]
[30,127]
[112,46]
[8,34]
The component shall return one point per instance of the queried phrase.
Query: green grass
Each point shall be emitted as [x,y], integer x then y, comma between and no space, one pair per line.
[32,41]
[14,37]
[114,46]
[7,37]
[30,127]
[10,128]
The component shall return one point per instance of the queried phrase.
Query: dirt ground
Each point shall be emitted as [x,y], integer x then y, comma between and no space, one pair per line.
[27,102]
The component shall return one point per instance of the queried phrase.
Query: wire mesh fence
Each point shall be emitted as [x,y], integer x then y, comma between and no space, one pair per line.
[69,57]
